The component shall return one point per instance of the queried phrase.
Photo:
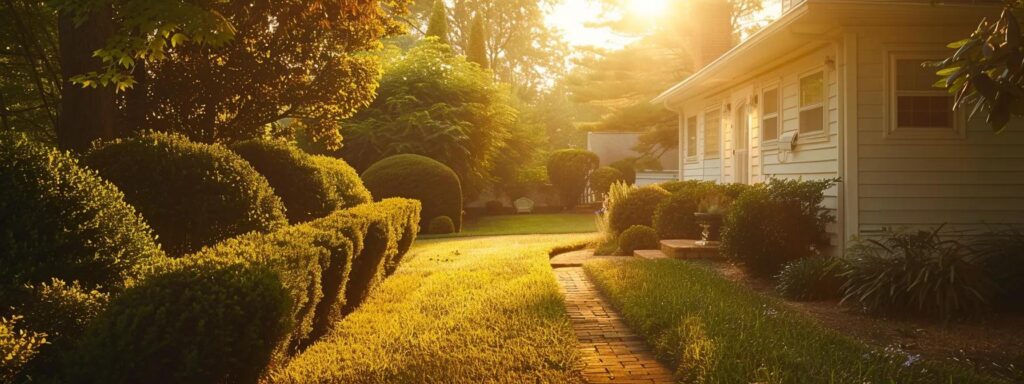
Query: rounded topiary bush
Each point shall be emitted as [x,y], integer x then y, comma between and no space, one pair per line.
[636,238]
[417,177]
[808,279]
[441,225]
[295,176]
[61,220]
[637,208]
[568,170]
[192,194]
[601,179]
[344,180]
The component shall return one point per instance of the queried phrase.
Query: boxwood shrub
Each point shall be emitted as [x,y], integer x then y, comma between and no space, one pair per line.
[421,178]
[772,224]
[344,180]
[296,177]
[229,312]
[61,220]
[638,237]
[193,194]
[637,208]
[441,225]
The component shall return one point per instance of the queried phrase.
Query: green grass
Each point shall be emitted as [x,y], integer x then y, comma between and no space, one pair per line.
[716,331]
[525,225]
[457,311]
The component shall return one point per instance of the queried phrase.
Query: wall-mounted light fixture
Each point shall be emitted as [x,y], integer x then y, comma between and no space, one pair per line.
[754,100]
[728,107]
[830,62]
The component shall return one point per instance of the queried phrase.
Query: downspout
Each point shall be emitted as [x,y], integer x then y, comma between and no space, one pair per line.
[681,155]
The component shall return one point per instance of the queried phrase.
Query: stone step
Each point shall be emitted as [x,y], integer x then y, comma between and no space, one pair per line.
[649,254]
[688,249]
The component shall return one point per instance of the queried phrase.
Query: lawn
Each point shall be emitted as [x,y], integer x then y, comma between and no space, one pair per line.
[458,310]
[714,330]
[526,225]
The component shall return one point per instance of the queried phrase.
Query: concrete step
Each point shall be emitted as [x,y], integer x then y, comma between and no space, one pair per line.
[688,249]
[650,254]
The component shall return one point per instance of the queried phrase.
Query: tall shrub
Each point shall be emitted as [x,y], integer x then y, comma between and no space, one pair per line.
[295,176]
[772,224]
[435,185]
[601,180]
[192,194]
[637,208]
[673,218]
[61,220]
[569,170]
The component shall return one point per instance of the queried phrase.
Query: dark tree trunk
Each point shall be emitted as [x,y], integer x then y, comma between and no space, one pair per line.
[86,114]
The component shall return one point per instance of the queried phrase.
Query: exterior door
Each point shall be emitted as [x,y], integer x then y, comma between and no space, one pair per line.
[741,145]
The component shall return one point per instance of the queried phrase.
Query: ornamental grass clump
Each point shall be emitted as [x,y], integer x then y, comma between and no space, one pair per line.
[810,279]
[917,273]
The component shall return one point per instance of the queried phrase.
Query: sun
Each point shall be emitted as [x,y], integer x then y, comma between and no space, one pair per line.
[648,9]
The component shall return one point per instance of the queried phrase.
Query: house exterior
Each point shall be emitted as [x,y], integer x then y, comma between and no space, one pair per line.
[834,88]
[615,146]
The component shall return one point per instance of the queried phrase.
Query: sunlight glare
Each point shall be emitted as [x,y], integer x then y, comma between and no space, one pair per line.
[648,9]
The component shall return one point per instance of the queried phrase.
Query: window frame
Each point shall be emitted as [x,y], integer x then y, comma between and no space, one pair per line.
[720,108]
[692,156]
[823,132]
[892,93]
[778,114]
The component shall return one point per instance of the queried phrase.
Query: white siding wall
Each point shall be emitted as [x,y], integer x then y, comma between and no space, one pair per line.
[912,183]
[815,156]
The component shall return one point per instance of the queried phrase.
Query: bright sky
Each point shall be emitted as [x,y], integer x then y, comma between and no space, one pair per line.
[571,16]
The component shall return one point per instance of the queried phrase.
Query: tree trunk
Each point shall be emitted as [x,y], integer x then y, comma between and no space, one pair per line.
[86,114]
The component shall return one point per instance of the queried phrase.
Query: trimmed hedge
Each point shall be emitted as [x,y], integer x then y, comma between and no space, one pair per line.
[601,179]
[230,312]
[673,218]
[568,171]
[441,225]
[300,182]
[637,208]
[193,194]
[344,180]
[421,178]
[638,237]
[61,220]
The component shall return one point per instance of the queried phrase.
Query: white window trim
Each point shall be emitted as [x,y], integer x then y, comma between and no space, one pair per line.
[821,134]
[692,157]
[703,132]
[773,143]
[889,115]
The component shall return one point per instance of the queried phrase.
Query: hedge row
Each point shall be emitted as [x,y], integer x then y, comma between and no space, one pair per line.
[233,311]
[421,178]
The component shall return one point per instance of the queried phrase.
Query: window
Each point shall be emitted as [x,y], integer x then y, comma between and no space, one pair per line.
[918,104]
[770,115]
[712,131]
[812,103]
[691,136]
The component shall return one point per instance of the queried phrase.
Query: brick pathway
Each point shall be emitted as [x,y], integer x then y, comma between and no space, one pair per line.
[611,352]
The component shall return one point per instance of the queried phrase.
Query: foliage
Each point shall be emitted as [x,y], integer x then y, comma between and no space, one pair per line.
[436,104]
[62,310]
[295,176]
[637,208]
[192,194]
[673,218]
[636,238]
[716,331]
[17,347]
[601,179]
[917,273]
[417,177]
[344,181]
[494,208]
[61,220]
[441,225]
[477,50]
[1003,253]
[986,72]
[773,224]
[230,312]
[810,279]
[307,63]
[618,192]
[30,86]
[490,308]
[568,170]
[438,26]
[628,169]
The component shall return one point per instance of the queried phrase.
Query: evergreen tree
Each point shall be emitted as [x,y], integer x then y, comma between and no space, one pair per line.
[438,26]
[477,50]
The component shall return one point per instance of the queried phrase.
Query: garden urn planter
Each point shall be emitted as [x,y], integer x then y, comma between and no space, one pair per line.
[711,227]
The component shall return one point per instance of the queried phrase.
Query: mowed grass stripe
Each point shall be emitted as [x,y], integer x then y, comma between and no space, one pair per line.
[716,331]
[458,311]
